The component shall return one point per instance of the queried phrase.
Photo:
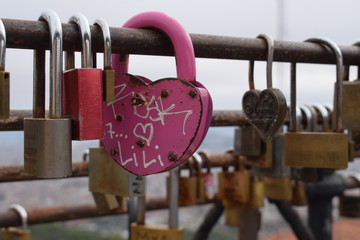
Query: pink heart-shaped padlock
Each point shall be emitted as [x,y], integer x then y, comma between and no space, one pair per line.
[153,127]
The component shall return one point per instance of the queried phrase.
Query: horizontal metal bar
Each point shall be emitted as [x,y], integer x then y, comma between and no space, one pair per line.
[35,35]
[67,213]
[80,169]
[220,118]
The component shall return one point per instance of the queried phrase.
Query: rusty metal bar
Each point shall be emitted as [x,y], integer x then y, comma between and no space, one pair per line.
[80,169]
[34,35]
[220,118]
[67,213]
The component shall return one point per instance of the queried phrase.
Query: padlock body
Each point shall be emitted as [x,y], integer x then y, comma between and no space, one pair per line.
[299,197]
[351,109]
[278,168]
[47,147]
[4,95]
[278,188]
[257,195]
[349,206]
[316,150]
[140,232]
[105,176]
[234,186]
[187,190]
[250,142]
[16,234]
[82,101]
[232,215]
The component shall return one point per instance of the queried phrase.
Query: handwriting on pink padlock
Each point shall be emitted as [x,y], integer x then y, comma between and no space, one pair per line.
[154,126]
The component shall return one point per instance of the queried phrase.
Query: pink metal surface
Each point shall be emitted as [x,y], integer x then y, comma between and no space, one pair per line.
[153,127]
[82,101]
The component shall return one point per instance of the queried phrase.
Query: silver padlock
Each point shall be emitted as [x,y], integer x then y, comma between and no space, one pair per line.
[47,140]
[22,233]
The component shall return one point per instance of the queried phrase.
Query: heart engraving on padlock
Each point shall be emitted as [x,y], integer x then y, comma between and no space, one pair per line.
[152,124]
[265,110]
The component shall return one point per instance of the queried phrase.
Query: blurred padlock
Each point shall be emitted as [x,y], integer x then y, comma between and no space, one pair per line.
[234,186]
[4,77]
[140,230]
[47,141]
[187,186]
[299,197]
[107,177]
[278,188]
[320,149]
[108,72]
[208,177]
[200,181]
[82,91]
[13,233]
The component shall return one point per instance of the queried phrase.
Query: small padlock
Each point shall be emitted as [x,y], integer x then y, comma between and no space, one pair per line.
[187,187]
[140,230]
[82,92]
[4,77]
[351,98]
[278,168]
[107,177]
[200,181]
[234,186]
[299,197]
[47,141]
[208,177]
[318,149]
[232,214]
[278,188]
[13,233]
[349,204]
[265,110]
[108,72]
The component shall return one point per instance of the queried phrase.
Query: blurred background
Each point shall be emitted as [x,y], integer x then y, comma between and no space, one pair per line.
[227,80]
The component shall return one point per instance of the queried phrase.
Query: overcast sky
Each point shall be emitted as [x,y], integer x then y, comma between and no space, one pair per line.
[336,20]
[227,80]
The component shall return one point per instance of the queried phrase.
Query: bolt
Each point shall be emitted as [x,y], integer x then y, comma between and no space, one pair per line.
[114,152]
[164,93]
[192,93]
[140,143]
[119,117]
[172,156]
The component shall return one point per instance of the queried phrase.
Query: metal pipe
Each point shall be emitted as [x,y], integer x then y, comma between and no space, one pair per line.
[219,118]
[34,35]
[80,169]
[67,213]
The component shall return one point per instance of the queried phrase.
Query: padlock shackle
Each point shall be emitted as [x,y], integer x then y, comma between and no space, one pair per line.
[324,113]
[198,161]
[56,63]
[338,89]
[298,118]
[22,213]
[107,41]
[269,62]
[2,46]
[86,53]
[311,117]
[183,47]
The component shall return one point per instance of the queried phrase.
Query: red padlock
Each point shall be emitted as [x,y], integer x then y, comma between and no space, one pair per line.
[82,91]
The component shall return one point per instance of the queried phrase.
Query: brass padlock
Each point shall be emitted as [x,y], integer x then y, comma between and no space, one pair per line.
[107,177]
[299,197]
[318,149]
[278,188]
[232,213]
[234,186]
[257,193]
[248,143]
[350,103]
[47,141]
[349,204]
[187,187]
[108,72]
[141,230]
[278,169]
[13,233]
[4,77]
